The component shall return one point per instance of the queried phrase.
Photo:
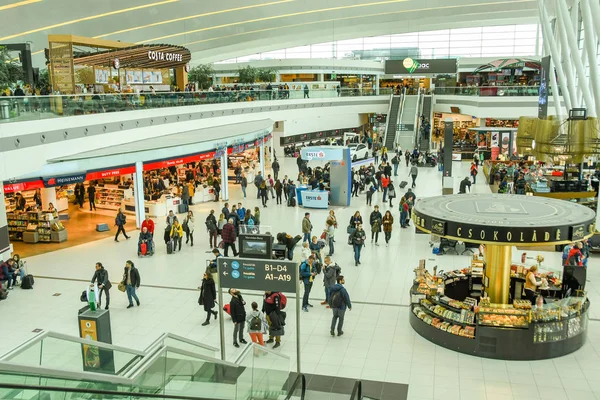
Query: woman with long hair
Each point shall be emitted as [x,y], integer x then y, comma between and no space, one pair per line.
[208,295]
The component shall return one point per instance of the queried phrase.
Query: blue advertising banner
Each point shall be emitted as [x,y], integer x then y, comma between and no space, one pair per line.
[322,153]
[314,199]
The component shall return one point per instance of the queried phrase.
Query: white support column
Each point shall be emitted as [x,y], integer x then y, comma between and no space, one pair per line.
[566,62]
[377,85]
[138,194]
[594,6]
[555,54]
[224,177]
[48,196]
[555,91]
[569,32]
[590,43]
[261,155]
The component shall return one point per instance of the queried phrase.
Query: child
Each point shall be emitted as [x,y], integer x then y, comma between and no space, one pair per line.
[256,324]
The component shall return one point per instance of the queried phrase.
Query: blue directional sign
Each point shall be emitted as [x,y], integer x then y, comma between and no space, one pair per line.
[258,274]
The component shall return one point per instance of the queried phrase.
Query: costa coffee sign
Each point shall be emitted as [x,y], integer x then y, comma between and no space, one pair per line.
[161,56]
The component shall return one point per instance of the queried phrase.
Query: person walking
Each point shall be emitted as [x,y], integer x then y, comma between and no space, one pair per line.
[385,182]
[263,192]
[388,223]
[407,157]
[212,229]
[131,280]
[228,236]
[270,183]
[79,194]
[256,324]
[375,221]
[208,295]
[273,304]
[358,240]
[120,221]
[329,235]
[391,192]
[91,191]
[403,212]
[258,179]
[414,171]
[306,91]
[330,271]
[306,227]
[307,273]
[104,285]
[355,184]
[244,184]
[339,301]
[148,224]
[188,227]
[238,316]
[370,191]
[464,184]
[176,235]
[216,188]
[278,190]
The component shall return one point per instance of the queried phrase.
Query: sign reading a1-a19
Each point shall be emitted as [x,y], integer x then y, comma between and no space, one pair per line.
[253,274]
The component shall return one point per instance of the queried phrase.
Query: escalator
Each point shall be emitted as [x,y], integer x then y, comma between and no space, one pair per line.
[424,137]
[408,122]
[392,122]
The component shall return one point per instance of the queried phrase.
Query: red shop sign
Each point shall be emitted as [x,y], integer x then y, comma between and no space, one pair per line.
[21,186]
[178,161]
[110,173]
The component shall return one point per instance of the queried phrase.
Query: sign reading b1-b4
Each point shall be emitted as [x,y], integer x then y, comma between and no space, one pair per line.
[253,274]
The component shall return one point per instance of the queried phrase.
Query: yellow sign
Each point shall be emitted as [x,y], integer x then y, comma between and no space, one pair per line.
[91,355]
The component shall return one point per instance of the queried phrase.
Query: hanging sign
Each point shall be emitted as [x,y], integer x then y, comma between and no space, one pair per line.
[21,186]
[108,173]
[64,180]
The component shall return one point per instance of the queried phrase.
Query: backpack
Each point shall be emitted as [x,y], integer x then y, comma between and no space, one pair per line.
[255,323]
[572,261]
[250,222]
[282,300]
[336,300]
[27,282]
[303,265]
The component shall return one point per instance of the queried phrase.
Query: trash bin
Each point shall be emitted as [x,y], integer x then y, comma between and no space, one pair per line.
[5,109]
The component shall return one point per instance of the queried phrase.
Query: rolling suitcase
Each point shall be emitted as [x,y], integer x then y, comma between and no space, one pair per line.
[170,247]
[182,208]
[291,202]
[403,184]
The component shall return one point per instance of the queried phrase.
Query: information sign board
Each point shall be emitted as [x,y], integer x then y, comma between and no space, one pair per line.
[262,275]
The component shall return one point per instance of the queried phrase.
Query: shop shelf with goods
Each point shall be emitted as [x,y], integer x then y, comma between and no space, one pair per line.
[10,202]
[111,197]
[17,225]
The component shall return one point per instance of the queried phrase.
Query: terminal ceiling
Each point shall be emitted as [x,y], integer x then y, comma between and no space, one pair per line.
[215,31]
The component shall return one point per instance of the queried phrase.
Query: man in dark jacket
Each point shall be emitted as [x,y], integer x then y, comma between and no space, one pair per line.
[120,221]
[307,273]
[132,281]
[375,220]
[275,317]
[225,211]
[91,191]
[463,186]
[339,301]
[228,235]
[258,180]
[104,285]
[238,316]
[330,271]
[276,168]
[211,227]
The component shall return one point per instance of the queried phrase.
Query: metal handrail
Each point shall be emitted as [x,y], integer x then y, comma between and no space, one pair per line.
[357,391]
[24,346]
[112,393]
[300,379]
[258,347]
[167,335]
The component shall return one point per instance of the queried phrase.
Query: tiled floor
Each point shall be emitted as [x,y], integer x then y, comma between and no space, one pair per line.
[378,344]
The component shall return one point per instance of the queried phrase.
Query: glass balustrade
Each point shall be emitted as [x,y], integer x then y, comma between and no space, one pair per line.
[16,109]
[485,91]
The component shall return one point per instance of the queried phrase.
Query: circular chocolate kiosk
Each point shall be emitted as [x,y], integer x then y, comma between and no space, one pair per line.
[479,310]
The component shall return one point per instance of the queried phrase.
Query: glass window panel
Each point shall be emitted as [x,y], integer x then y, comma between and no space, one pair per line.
[465,36]
[467,31]
[486,44]
[299,49]
[498,29]
[377,40]
[273,55]
[464,43]
[406,40]
[251,57]
[526,27]
[497,51]
[351,42]
[440,53]
[304,54]
[434,38]
[466,52]
[498,36]
[321,54]
[525,42]
[526,35]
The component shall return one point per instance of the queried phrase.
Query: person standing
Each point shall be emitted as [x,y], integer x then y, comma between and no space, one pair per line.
[188,227]
[258,179]
[185,195]
[272,307]
[307,273]
[407,157]
[306,91]
[358,240]
[244,184]
[270,183]
[375,221]
[388,223]
[370,191]
[355,184]
[120,221]
[414,171]
[91,191]
[216,188]
[278,190]
[212,228]
[276,168]
[104,285]
[474,172]
[385,182]
[80,194]
[403,212]
[208,295]
[263,192]
[176,235]
[464,184]
[131,280]
[329,235]
[306,227]
[225,211]
[228,236]
[339,301]
[256,324]
[330,271]
[238,316]
[391,192]
[395,163]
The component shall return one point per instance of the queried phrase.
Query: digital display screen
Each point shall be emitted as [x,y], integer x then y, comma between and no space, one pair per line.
[251,247]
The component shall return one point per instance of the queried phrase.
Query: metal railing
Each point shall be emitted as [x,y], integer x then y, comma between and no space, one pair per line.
[27,108]
[484,91]
[357,391]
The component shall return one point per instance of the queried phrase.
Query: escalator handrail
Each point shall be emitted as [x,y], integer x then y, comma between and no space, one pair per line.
[300,379]
[357,391]
[161,340]
[255,347]
[16,386]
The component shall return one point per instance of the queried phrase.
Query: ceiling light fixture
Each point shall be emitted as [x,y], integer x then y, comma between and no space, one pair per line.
[275,17]
[91,17]
[207,14]
[19,4]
